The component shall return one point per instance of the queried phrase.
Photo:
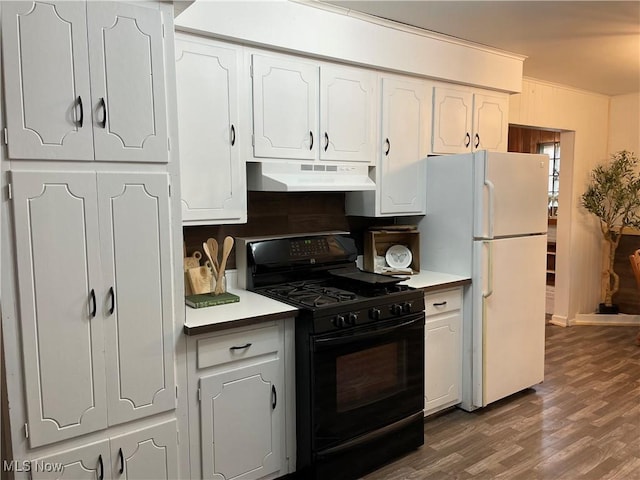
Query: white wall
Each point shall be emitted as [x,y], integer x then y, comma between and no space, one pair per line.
[624,124]
[584,118]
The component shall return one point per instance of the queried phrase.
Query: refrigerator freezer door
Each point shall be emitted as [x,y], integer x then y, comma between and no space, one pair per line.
[509,319]
[510,194]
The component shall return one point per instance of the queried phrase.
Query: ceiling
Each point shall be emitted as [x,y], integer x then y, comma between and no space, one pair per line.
[591,45]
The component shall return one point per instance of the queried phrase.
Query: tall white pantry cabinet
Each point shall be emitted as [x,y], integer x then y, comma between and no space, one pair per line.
[90,186]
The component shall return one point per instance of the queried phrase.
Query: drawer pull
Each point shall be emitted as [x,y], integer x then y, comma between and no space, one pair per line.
[121,458]
[101,467]
[241,347]
[274,397]
[440,304]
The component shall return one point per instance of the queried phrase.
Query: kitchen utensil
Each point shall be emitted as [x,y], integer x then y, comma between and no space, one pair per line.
[212,243]
[226,250]
[212,262]
[193,261]
[398,256]
[200,279]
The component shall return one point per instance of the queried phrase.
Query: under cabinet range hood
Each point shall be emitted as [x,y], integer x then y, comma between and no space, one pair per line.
[307,177]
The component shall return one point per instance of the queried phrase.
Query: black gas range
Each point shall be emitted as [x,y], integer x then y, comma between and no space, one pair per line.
[359,351]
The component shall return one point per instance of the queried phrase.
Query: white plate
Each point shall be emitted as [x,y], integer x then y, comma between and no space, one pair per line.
[398,256]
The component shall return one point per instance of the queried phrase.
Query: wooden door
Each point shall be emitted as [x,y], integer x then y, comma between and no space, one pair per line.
[150,453]
[127,82]
[452,120]
[403,146]
[135,233]
[490,122]
[285,108]
[212,175]
[242,430]
[46,75]
[89,462]
[347,114]
[58,266]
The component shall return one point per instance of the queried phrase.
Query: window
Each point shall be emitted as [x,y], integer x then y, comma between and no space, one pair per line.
[552,149]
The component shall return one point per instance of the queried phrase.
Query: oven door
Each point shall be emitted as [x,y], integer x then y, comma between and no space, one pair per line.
[366,378]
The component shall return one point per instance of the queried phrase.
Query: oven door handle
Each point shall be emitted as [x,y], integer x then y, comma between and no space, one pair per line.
[367,334]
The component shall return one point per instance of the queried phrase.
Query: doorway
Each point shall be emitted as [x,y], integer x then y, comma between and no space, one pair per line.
[534,140]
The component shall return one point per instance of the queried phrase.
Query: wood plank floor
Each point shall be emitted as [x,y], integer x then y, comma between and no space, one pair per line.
[582,423]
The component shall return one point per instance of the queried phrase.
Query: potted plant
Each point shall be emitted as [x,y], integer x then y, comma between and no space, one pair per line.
[613,195]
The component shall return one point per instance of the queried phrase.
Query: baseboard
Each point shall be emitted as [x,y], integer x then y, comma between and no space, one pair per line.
[621,319]
[559,320]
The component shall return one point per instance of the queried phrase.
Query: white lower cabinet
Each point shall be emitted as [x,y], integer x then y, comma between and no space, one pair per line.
[443,349]
[148,453]
[243,408]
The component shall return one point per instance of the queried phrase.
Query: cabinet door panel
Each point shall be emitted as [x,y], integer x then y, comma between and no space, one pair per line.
[443,372]
[241,433]
[404,146]
[136,258]
[490,122]
[77,464]
[347,114]
[452,117]
[46,72]
[150,453]
[211,171]
[127,82]
[285,108]
[56,227]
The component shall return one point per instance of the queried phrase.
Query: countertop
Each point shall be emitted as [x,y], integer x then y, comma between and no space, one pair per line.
[254,308]
[430,281]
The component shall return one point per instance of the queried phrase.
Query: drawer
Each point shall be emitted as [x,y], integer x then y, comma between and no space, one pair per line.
[242,345]
[441,302]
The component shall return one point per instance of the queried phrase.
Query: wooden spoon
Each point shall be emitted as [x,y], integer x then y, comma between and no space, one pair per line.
[210,263]
[213,250]
[226,250]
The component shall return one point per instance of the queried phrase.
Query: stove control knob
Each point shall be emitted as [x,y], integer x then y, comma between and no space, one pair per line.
[340,321]
[375,313]
[406,307]
[353,318]
[396,309]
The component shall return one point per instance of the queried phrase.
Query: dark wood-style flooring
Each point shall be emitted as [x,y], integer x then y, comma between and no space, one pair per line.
[582,423]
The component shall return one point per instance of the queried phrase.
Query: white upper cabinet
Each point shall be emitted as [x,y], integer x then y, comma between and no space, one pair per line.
[404,145]
[490,122]
[309,111]
[347,114]
[46,73]
[95,295]
[285,108]
[212,173]
[127,82]
[465,120]
[84,81]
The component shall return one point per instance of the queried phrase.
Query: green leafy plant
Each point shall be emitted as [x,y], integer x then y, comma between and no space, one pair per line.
[613,195]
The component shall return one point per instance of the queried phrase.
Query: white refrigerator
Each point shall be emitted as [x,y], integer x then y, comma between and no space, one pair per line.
[487,219]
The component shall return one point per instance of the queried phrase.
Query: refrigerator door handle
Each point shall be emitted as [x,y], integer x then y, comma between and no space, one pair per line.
[489,291]
[490,205]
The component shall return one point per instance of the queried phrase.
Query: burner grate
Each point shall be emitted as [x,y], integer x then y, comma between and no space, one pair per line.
[312,294]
